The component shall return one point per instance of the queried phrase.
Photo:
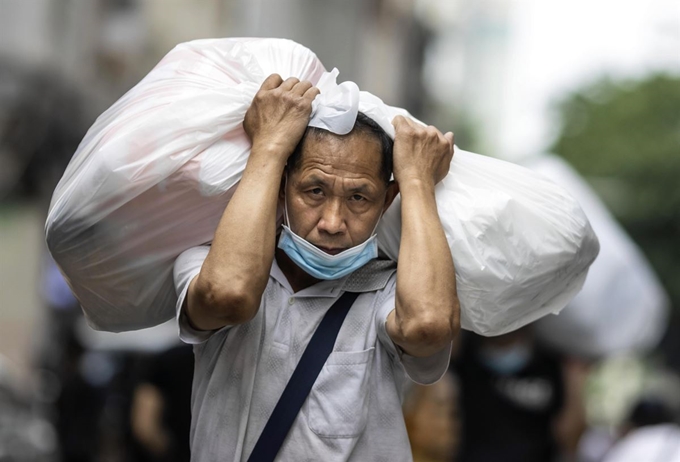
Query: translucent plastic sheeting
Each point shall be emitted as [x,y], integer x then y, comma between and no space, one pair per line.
[155,172]
[622,307]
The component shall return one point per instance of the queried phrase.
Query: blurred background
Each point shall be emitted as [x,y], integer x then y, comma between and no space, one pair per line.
[595,83]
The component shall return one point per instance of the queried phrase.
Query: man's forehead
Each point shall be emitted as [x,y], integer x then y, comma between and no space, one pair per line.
[354,147]
[331,179]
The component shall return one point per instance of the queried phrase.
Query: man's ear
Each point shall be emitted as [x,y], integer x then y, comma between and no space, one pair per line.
[392,191]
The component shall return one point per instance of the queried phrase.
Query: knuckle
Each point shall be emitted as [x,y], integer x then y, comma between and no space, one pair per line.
[407,128]
[301,104]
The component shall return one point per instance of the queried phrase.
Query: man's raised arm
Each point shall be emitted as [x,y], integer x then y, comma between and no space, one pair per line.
[426,315]
[229,287]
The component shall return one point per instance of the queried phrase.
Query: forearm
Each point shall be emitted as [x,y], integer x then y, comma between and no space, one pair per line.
[146,419]
[426,312]
[570,423]
[236,270]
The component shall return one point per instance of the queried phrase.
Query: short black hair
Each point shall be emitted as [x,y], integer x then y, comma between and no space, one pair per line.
[363,124]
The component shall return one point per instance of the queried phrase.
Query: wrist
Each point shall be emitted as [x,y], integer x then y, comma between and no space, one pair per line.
[269,155]
[415,182]
[272,148]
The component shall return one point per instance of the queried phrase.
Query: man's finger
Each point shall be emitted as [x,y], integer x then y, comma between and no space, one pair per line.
[413,124]
[289,83]
[398,121]
[435,130]
[311,93]
[301,87]
[449,137]
[271,82]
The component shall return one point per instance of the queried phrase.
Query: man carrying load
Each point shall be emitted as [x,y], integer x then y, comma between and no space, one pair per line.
[253,300]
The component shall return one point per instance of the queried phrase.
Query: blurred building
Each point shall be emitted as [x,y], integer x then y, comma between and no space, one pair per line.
[378,43]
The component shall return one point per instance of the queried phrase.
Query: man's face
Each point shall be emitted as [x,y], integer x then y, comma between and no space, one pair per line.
[336,195]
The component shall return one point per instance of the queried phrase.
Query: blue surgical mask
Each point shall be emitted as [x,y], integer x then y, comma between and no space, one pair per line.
[320,264]
[506,361]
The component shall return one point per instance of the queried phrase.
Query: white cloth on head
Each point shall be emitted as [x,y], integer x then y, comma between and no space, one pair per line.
[335,108]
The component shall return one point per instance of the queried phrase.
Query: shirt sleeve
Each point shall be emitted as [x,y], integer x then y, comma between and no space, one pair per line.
[187,267]
[426,370]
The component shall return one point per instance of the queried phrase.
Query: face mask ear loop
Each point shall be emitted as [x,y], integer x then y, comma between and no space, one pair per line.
[285,200]
[375,228]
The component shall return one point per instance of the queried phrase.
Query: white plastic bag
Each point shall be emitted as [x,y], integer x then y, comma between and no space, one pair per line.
[154,174]
[521,245]
[622,307]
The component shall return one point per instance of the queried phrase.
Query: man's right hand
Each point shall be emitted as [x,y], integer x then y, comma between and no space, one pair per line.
[279,114]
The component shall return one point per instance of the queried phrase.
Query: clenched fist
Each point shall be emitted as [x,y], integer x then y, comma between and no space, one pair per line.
[279,114]
[420,153]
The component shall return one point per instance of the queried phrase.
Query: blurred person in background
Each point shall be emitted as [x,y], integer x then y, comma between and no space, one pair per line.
[518,401]
[432,420]
[650,434]
[161,406]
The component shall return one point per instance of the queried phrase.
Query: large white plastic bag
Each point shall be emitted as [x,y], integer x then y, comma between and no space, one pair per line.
[154,173]
[622,307]
[521,245]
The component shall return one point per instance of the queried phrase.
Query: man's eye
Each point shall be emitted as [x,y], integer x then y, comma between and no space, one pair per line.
[316,191]
[357,197]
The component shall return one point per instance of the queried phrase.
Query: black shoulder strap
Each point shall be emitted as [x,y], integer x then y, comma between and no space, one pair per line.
[301,382]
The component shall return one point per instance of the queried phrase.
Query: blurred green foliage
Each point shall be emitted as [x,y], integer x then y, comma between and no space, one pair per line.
[624,138]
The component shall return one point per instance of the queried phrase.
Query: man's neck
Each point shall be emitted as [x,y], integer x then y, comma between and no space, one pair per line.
[296,276]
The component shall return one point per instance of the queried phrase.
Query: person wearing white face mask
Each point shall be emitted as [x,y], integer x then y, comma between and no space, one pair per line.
[258,304]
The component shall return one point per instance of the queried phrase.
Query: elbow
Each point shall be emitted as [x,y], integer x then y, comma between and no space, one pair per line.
[427,337]
[231,306]
[431,333]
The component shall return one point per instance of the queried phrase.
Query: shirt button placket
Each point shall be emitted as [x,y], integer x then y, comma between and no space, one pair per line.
[291,301]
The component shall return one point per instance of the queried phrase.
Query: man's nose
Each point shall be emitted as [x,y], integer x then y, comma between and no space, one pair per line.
[332,220]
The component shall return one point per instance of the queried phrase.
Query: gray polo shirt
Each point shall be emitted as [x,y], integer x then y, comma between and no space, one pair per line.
[353,412]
